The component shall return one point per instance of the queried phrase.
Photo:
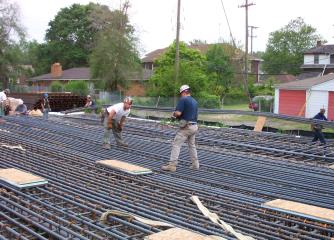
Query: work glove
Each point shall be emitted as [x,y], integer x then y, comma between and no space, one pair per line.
[120,127]
[109,124]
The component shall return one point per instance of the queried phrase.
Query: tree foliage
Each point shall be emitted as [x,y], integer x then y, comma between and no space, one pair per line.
[220,70]
[10,31]
[71,35]
[192,72]
[285,47]
[115,55]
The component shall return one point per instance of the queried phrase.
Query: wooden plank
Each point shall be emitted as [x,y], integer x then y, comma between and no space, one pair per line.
[260,123]
[177,234]
[124,166]
[20,179]
[301,209]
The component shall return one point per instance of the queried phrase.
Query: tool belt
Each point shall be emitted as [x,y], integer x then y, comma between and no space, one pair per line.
[184,123]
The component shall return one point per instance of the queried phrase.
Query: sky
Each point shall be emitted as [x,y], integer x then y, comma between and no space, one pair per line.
[155,20]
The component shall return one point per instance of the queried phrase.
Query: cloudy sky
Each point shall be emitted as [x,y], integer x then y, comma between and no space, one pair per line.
[155,20]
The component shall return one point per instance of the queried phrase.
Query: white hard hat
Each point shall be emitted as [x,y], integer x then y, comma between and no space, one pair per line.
[183,88]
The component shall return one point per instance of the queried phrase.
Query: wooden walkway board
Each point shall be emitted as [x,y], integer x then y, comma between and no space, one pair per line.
[177,234]
[259,124]
[301,209]
[125,167]
[20,179]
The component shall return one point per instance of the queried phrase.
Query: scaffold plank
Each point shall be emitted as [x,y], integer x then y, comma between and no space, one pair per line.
[125,167]
[20,179]
[301,209]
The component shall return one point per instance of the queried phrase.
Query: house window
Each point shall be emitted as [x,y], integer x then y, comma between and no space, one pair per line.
[316,59]
[332,59]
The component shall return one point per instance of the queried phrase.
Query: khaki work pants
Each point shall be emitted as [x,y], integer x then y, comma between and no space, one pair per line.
[115,130]
[183,134]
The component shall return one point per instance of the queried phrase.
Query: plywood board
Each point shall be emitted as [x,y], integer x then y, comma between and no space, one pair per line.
[19,178]
[301,209]
[124,166]
[176,234]
[259,124]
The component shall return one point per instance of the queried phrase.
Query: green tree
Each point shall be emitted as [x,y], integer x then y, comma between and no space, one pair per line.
[220,70]
[71,34]
[285,47]
[115,55]
[10,30]
[192,72]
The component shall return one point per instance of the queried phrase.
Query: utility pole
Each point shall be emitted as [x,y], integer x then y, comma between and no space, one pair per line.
[251,37]
[177,49]
[246,5]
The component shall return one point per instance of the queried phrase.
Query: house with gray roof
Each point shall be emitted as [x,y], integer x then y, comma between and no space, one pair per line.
[318,61]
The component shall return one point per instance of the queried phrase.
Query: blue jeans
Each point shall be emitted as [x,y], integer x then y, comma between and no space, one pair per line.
[319,135]
[46,114]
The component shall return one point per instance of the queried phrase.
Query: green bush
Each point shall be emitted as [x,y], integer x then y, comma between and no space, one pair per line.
[236,96]
[56,86]
[77,87]
[206,100]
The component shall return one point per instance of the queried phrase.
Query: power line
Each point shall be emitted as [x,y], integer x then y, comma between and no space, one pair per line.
[228,24]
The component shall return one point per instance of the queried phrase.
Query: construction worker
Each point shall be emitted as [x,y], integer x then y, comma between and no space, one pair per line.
[317,128]
[45,106]
[89,101]
[3,102]
[114,120]
[186,111]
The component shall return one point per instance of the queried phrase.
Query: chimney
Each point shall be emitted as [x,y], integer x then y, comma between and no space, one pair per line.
[319,43]
[56,70]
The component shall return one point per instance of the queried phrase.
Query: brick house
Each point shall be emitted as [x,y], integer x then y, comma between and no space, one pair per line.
[42,83]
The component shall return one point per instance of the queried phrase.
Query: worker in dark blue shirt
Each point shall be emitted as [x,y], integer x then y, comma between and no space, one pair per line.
[186,111]
[317,128]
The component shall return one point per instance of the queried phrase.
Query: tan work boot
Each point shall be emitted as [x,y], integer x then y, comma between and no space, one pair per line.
[106,146]
[169,167]
[194,166]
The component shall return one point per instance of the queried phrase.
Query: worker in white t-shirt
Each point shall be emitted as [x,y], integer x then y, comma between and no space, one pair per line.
[3,102]
[114,120]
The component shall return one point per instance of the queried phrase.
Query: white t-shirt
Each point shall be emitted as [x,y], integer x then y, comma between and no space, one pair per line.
[3,96]
[119,110]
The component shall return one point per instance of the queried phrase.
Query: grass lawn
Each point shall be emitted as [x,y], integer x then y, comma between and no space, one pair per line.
[240,106]
[236,120]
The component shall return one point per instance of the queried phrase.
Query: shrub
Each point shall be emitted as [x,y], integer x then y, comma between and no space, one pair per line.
[206,100]
[77,87]
[56,86]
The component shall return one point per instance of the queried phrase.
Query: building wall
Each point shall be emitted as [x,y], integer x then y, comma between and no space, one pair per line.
[292,102]
[330,112]
[308,59]
[276,101]
[323,59]
[316,100]
[135,89]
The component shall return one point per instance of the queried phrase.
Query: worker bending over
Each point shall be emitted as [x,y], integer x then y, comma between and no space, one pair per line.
[114,120]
